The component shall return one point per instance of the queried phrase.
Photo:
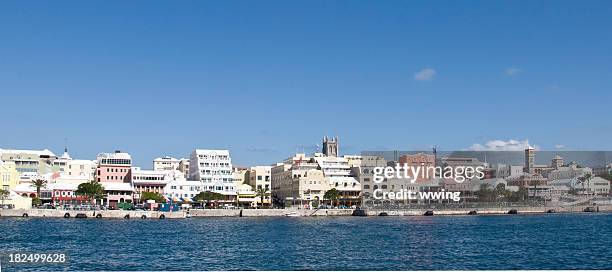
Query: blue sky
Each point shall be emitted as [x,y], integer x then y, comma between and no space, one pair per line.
[269,78]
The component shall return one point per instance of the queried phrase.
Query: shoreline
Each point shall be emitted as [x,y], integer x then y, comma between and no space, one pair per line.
[126,215]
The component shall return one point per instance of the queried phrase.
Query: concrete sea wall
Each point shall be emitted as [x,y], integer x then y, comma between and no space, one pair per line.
[118,214]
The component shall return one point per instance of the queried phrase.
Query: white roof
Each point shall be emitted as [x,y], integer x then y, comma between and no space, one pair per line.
[166,159]
[37,152]
[120,155]
[212,152]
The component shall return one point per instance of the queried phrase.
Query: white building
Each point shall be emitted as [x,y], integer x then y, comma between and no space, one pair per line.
[182,190]
[302,180]
[166,163]
[154,181]
[213,168]
[569,172]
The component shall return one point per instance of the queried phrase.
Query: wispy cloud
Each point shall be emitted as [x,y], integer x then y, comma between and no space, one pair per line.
[425,74]
[512,71]
[501,145]
[559,146]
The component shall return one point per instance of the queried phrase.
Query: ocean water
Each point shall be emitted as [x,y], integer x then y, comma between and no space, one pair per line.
[546,241]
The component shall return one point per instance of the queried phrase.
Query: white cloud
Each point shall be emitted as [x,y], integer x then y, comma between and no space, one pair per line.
[559,146]
[513,71]
[425,74]
[501,145]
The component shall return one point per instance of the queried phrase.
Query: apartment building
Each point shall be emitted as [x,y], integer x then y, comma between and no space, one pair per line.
[213,168]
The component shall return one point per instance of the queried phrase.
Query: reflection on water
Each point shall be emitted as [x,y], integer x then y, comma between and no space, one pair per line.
[580,241]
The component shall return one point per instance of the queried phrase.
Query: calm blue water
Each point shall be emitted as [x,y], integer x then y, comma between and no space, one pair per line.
[551,241]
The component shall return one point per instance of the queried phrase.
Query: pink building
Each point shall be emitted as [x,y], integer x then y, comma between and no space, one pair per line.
[114,167]
[114,172]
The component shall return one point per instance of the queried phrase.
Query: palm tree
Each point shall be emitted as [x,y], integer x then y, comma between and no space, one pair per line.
[331,194]
[39,183]
[4,194]
[262,193]
[584,179]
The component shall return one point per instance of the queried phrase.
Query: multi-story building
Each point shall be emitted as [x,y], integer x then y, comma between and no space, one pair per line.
[154,181]
[114,172]
[84,169]
[259,177]
[9,177]
[213,168]
[166,163]
[303,181]
[182,190]
[365,174]
[114,167]
[573,170]
[37,162]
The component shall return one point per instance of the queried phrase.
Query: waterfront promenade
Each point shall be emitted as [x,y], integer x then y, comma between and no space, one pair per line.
[120,214]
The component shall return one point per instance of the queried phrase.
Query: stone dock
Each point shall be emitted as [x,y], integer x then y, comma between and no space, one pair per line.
[120,214]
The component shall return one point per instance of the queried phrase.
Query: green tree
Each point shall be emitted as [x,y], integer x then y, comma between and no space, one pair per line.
[4,194]
[262,194]
[91,190]
[522,194]
[332,195]
[39,183]
[501,192]
[152,196]
[207,197]
[485,193]
[36,202]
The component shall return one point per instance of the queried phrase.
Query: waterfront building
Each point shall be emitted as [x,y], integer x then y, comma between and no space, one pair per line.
[246,195]
[165,163]
[154,181]
[16,201]
[9,177]
[182,190]
[114,173]
[114,167]
[63,193]
[213,168]
[593,186]
[303,181]
[259,177]
[573,170]
[339,175]
[365,174]
[117,193]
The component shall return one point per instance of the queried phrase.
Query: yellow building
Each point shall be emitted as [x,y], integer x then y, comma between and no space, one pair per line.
[9,177]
